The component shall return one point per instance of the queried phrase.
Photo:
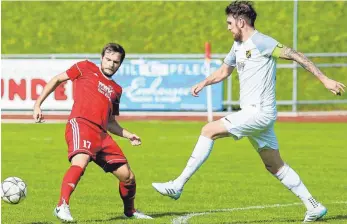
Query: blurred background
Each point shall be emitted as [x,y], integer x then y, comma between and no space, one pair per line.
[169,38]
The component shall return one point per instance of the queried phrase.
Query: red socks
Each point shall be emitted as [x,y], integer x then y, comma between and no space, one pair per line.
[127,193]
[71,178]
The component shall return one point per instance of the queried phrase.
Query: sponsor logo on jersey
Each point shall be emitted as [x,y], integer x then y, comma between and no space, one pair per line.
[240,66]
[106,90]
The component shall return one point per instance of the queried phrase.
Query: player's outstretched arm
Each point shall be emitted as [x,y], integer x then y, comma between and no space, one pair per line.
[48,89]
[289,54]
[116,129]
[219,75]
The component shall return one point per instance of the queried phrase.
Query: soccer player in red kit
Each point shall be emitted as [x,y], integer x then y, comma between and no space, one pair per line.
[96,105]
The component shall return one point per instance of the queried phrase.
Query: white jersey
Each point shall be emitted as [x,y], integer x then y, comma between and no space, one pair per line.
[256,69]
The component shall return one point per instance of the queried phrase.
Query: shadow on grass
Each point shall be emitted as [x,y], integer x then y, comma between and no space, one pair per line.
[324,220]
[337,217]
[159,215]
[39,222]
[154,215]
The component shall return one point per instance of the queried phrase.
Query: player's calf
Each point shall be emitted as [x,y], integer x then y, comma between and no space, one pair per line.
[70,181]
[127,193]
[127,187]
[214,130]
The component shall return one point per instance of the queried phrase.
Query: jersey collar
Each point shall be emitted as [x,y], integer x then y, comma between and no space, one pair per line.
[250,37]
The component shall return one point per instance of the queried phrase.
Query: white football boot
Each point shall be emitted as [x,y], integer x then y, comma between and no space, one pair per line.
[316,213]
[138,215]
[62,212]
[168,189]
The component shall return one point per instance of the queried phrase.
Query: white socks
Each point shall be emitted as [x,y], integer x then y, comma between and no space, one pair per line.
[201,152]
[285,174]
[291,180]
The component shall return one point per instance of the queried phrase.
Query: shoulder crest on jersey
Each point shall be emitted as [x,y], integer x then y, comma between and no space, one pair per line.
[248,54]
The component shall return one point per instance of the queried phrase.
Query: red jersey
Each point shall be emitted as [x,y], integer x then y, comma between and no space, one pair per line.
[95,95]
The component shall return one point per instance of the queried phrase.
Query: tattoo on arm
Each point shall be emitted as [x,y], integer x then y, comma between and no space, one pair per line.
[290,54]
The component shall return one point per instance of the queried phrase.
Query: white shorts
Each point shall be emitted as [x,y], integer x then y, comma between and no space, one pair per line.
[251,122]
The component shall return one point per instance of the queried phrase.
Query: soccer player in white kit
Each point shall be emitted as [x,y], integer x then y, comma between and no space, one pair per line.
[254,56]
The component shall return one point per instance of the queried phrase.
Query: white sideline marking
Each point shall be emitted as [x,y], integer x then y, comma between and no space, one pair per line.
[184,218]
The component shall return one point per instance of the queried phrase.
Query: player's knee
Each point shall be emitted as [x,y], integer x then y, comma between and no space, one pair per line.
[132,178]
[271,168]
[82,165]
[208,131]
[129,178]
[80,160]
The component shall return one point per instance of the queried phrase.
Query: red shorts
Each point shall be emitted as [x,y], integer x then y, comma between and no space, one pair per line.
[83,136]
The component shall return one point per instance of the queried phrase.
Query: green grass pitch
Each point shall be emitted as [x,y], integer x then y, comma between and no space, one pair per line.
[233,176]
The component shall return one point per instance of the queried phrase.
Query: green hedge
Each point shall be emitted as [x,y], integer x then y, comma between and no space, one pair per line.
[175,27]
[161,27]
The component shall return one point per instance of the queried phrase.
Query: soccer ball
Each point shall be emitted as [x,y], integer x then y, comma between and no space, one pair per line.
[13,190]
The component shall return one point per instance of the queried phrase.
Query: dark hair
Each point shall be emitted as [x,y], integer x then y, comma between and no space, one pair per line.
[115,48]
[244,9]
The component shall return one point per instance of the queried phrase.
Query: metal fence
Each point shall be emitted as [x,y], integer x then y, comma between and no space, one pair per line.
[294,102]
